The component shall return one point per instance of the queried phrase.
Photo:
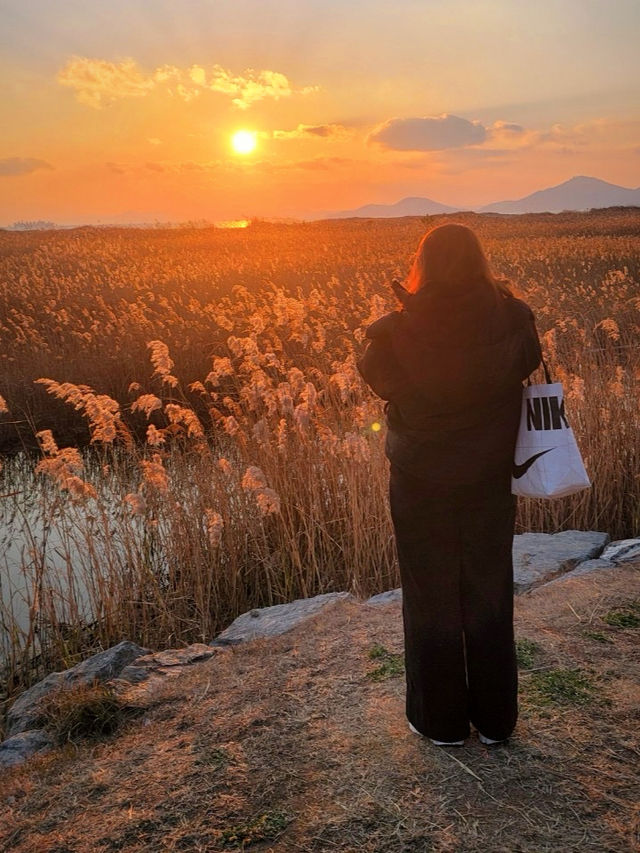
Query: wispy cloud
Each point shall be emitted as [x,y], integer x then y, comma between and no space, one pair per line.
[428,133]
[607,133]
[318,131]
[322,164]
[98,82]
[253,86]
[601,133]
[460,160]
[12,166]
[165,167]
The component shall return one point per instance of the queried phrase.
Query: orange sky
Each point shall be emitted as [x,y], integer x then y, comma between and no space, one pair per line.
[124,111]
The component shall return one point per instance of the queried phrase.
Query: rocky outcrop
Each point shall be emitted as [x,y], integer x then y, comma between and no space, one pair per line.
[388,597]
[24,721]
[24,714]
[540,557]
[616,553]
[272,621]
[621,550]
[162,663]
[15,750]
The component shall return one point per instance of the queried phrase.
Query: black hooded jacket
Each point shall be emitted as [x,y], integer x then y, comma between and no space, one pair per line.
[451,366]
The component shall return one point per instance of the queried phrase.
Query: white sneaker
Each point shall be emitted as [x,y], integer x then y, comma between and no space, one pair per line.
[437,742]
[489,741]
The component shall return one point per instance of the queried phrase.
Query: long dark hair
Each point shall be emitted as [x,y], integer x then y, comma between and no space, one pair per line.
[451,260]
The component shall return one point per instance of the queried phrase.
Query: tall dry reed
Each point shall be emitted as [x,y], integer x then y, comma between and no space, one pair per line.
[234,454]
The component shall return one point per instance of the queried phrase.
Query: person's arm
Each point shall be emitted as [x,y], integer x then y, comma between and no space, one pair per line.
[532,351]
[379,366]
[375,368]
[529,352]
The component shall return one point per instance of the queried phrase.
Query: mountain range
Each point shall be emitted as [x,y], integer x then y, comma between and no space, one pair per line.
[578,193]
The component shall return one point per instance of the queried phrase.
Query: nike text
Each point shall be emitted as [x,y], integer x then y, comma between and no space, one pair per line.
[546,413]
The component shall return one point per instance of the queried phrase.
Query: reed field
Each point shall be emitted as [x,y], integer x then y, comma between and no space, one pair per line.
[185,434]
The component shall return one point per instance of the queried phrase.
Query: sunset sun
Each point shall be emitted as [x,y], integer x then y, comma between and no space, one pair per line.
[243,141]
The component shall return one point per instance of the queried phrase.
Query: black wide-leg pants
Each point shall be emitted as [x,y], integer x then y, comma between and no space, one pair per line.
[456,569]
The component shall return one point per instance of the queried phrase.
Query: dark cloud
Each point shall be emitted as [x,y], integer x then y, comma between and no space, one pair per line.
[22,165]
[430,133]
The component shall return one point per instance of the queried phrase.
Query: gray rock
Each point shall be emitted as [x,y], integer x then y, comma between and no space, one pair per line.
[134,674]
[161,662]
[105,665]
[24,713]
[585,568]
[540,557]
[181,657]
[15,750]
[276,620]
[589,566]
[622,550]
[388,597]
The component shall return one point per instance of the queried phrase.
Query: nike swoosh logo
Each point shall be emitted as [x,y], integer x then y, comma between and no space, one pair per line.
[521,470]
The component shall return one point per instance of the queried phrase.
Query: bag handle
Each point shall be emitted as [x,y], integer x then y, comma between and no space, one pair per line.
[547,375]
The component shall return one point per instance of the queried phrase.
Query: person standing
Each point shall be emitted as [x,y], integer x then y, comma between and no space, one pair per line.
[450,365]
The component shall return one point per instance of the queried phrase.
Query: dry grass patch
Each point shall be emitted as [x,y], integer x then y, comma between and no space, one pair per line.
[82,711]
[287,745]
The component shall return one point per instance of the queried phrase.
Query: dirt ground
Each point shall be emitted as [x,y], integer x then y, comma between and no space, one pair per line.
[301,743]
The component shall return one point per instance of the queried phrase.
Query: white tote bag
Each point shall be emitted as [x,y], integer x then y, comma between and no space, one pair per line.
[547,461]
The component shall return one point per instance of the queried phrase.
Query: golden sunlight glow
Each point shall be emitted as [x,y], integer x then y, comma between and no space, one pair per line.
[232,223]
[243,141]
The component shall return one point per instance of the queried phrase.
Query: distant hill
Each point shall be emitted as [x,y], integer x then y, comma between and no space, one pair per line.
[579,193]
[413,206]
